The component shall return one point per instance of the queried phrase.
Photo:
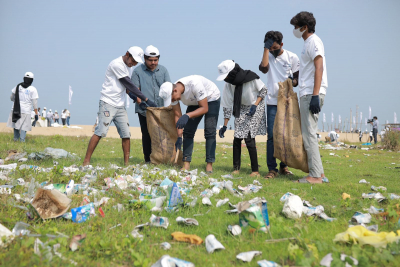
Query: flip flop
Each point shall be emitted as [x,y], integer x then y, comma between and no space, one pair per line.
[302,181]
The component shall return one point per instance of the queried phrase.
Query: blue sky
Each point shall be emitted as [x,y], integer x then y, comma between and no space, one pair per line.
[71,43]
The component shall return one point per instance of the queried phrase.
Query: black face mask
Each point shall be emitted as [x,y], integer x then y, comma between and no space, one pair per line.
[275,53]
[27,82]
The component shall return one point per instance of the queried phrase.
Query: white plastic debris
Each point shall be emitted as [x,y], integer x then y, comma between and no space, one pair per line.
[135,233]
[394,196]
[234,229]
[374,210]
[159,221]
[359,218]
[310,211]
[248,256]
[167,261]
[206,201]
[5,233]
[265,263]
[285,197]
[293,207]
[378,196]
[222,202]
[187,221]
[363,181]
[165,245]
[212,244]
[378,188]
[12,166]
[327,260]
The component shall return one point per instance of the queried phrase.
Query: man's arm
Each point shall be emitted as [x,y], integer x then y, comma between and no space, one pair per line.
[203,109]
[295,78]
[319,69]
[12,97]
[132,88]
[264,65]
[34,103]
[178,113]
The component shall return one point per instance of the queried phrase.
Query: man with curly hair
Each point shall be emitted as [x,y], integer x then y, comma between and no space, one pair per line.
[278,64]
[313,83]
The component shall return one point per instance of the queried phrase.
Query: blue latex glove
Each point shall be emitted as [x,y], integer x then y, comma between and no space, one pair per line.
[36,117]
[222,132]
[252,110]
[132,96]
[182,122]
[143,105]
[314,104]
[268,43]
[178,144]
[151,103]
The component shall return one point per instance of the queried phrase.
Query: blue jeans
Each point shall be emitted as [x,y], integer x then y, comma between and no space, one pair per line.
[271,161]
[108,114]
[19,135]
[210,131]
[68,121]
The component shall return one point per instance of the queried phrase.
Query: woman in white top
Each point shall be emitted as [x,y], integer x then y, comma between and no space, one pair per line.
[56,117]
[243,97]
[63,116]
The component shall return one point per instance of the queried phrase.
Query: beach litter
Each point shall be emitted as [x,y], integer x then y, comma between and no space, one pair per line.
[76,241]
[327,260]
[182,237]
[265,263]
[212,244]
[50,203]
[167,261]
[248,256]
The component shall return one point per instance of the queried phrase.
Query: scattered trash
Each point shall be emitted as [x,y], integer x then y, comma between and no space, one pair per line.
[379,188]
[76,241]
[359,218]
[115,226]
[101,212]
[248,256]
[55,153]
[165,245]
[12,166]
[265,263]
[293,207]
[363,181]
[345,196]
[393,196]
[83,213]
[159,221]
[192,239]
[206,201]
[254,214]
[187,221]
[378,196]
[20,229]
[327,260]
[50,203]
[213,244]
[135,233]
[167,261]
[222,202]
[5,235]
[373,210]
[235,229]
[359,234]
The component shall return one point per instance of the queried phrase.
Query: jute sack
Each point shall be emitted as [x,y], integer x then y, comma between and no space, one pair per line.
[288,140]
[162,130]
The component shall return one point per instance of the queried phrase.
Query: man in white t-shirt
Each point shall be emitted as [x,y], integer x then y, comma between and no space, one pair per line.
[313,83]
[44,112]
[117,85]
[202,97]
[279,65]
[334,136]
[68,114]
[25,98]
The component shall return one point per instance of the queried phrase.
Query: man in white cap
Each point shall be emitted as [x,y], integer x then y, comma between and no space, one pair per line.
[148,77]
[44,113]
[49,117]
[24,96]
[202,98]
[117,85]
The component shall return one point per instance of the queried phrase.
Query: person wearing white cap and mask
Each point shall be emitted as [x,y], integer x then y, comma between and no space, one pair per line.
[49,117]
[117,85]
[202,98]
[44,113]
[25,97]
[243,96]
[148,77]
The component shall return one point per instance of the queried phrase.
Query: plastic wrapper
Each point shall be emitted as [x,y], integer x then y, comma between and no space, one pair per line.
[159,221]
[82,214]
[20,229]
[378,188]
[359,218]
[222,202]
[378,196]
[248,256]
[187,221]
[363,181]
[293,207]
[173,195]
[327,260]
[265,263]
[167,261]
[165,246]
[135,234]
[192,239]
[393,196]
[234,229]
[254,214]
[285,197]
[374,210]
[50,203]
[310,211]
[76,241]
[5,235]
[212,244]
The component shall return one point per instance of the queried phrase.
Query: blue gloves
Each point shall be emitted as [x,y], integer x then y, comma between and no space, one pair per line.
[222,132]
[314,104]
[178,144]
[143,105]
[182,122]
[252,110]
[151,103]
[268,43]
[132,96]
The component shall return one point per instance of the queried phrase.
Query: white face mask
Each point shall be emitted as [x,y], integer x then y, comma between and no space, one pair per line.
[298,33]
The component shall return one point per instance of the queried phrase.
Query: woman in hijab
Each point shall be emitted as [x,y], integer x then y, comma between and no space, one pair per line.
[24,97]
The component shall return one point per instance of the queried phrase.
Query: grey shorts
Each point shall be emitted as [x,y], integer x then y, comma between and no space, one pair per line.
[108,114]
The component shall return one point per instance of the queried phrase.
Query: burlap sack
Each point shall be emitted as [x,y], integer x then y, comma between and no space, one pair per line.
[162,130]
[288,140]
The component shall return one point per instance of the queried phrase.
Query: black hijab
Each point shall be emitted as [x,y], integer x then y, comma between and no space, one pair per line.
[238,77]
[17,106]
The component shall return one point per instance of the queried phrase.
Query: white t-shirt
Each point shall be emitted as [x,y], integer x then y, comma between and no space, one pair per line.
[26,95]
[67,113]
[249,94]
[197,88]
[312,48]
[333,135]
[113,92]
[63,115]
[280,68]
[44,113]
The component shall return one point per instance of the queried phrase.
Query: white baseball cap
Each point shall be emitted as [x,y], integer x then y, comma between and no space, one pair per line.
[29,75]
[151,51]
[137,53]
[166,92]
[50,110]
[224,68]
[44,108]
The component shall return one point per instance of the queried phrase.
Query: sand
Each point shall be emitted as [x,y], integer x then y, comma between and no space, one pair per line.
[87,130]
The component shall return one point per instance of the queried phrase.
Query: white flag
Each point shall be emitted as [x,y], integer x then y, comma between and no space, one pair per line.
[340,119]
[360,117]
[370,113]
[387,122]
[324,120]
[395,117]
[70,95]
[354,119]
[332,118]
[366,122]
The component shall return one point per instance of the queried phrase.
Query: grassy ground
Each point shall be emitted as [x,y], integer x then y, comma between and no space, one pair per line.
[104,247]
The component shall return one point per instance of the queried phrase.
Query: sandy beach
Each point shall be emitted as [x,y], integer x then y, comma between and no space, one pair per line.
[87,130]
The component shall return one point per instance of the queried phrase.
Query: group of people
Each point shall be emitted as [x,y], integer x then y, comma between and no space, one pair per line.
[244,96]
[51,117]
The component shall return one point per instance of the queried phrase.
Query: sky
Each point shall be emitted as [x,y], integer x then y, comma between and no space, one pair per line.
[71,43]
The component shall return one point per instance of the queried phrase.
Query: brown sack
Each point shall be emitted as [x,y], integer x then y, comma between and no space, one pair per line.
[288,140]
[162,130]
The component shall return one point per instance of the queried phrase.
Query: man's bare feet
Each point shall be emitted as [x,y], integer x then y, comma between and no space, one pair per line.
[209,167]
[310,180]
[85,163]
[255,174]
[237,172]
[186,165]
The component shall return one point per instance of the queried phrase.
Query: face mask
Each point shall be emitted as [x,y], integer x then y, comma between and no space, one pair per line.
[297,33]
[275,53]
[27,82]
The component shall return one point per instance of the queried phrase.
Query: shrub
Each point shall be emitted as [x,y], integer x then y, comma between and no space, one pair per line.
[391,140]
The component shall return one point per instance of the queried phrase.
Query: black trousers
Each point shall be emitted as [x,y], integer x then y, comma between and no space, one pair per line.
[375,134]
[146,141]
[237,152]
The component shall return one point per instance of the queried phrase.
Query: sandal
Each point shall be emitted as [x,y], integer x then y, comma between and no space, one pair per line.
[271,174]
[305,181]
[285,171]
[255,174]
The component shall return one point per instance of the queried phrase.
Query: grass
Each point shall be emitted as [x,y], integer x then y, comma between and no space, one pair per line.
[104,247]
